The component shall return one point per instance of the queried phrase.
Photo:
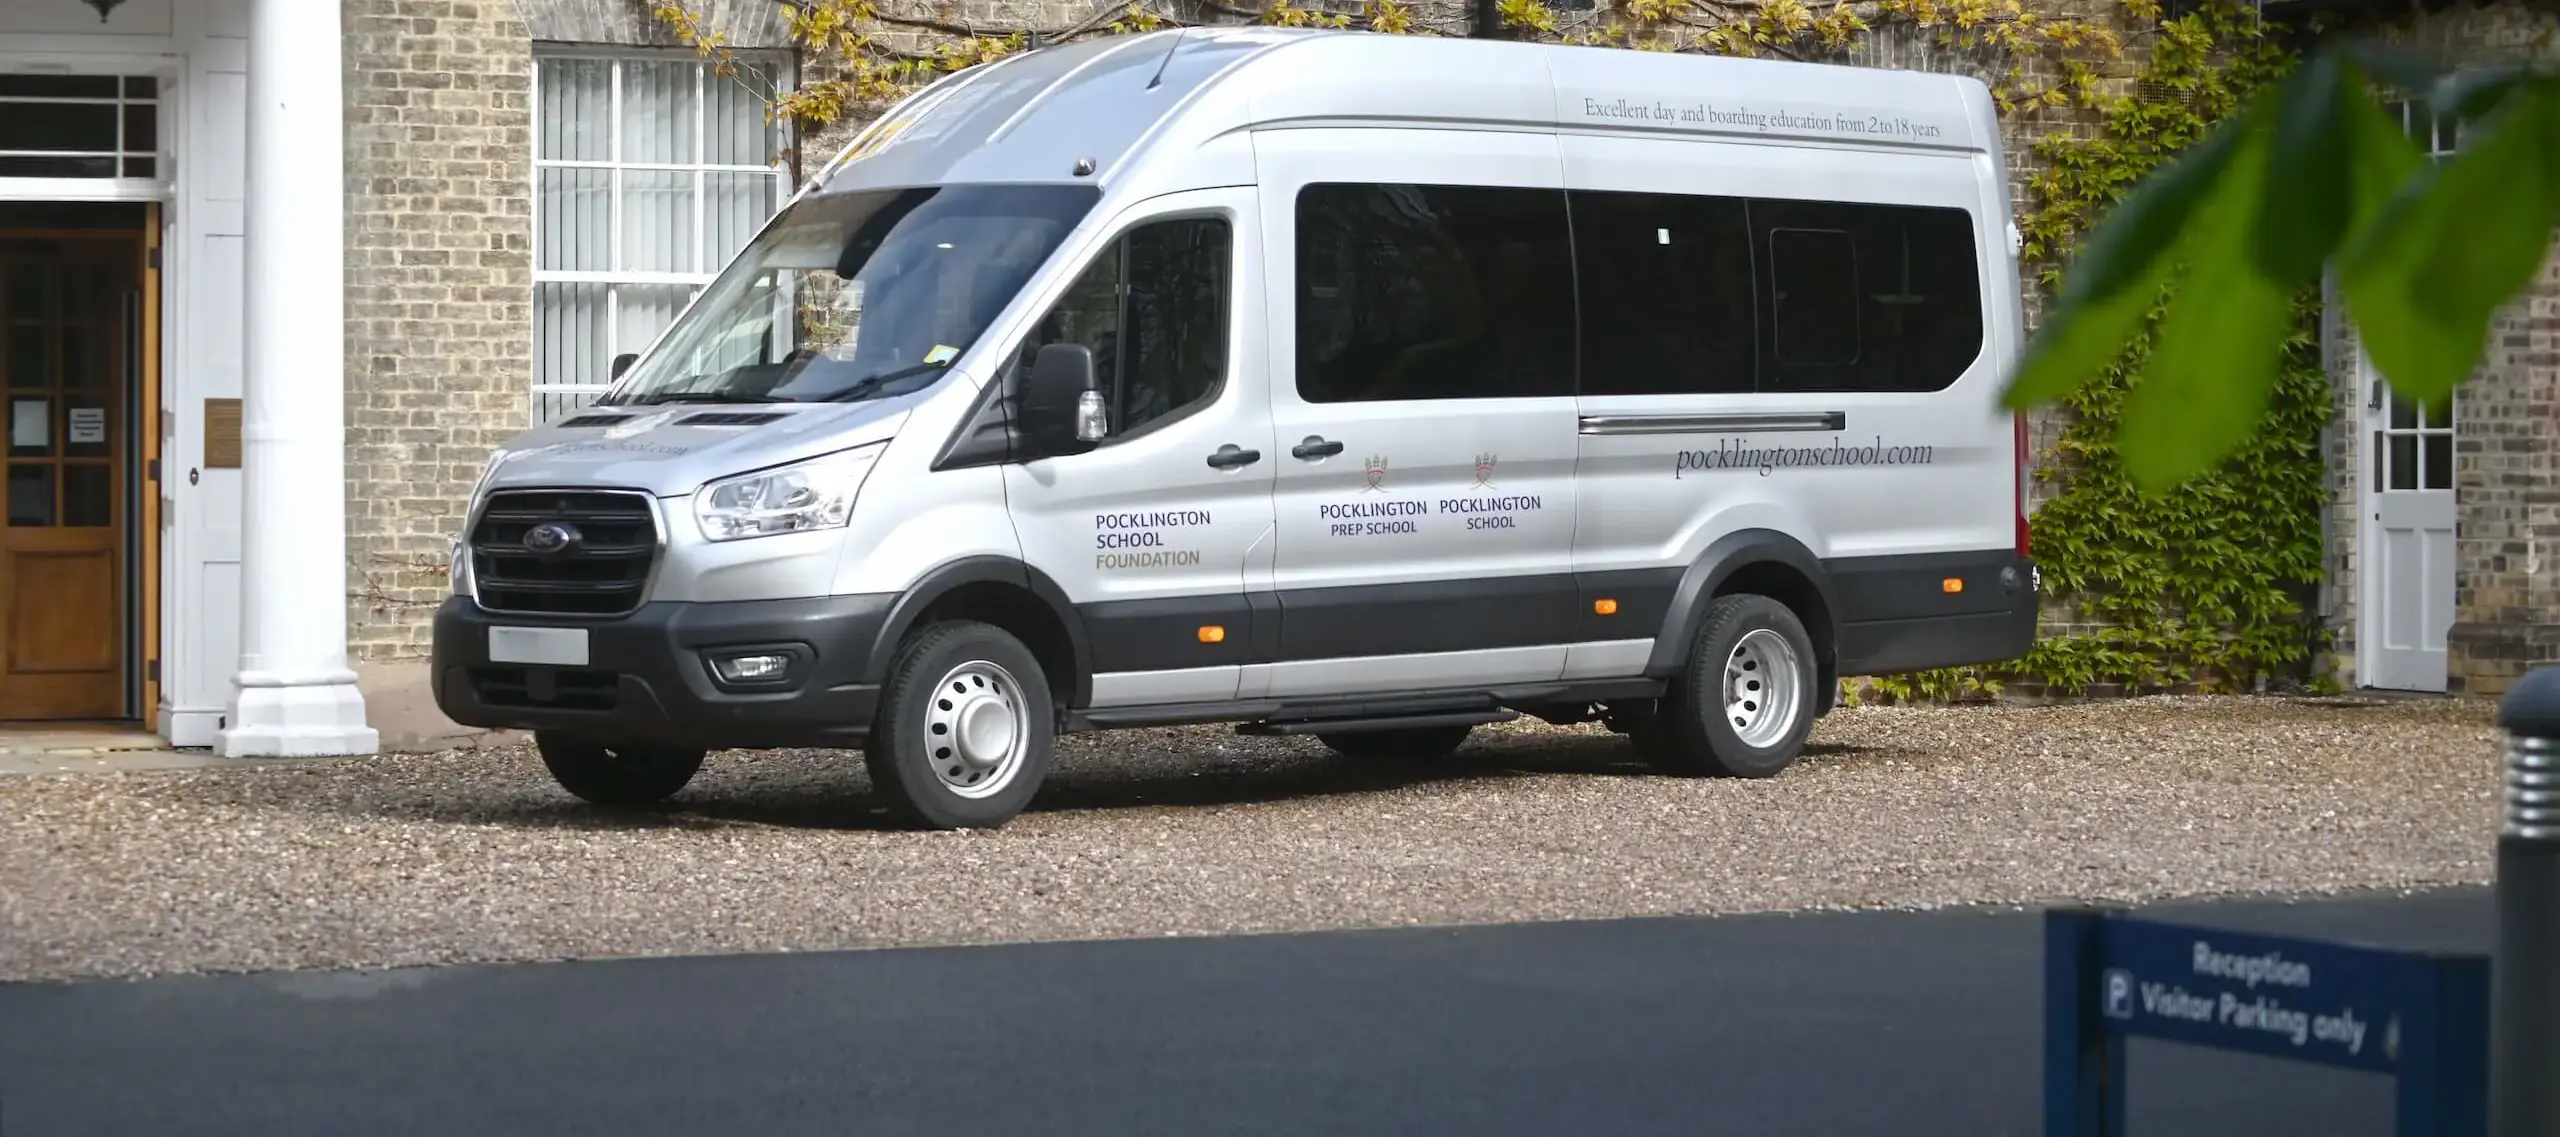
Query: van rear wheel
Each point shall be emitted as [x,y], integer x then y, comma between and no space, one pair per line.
[965,728]
[1743,705]
[614,773]
[1410,744]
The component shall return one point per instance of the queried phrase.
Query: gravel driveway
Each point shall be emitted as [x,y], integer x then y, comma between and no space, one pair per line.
[474,855]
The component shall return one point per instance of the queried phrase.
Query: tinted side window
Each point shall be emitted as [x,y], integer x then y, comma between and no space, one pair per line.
[1865,297]
[1433,292]
[1665,281]
[1153,309]
[1176,321]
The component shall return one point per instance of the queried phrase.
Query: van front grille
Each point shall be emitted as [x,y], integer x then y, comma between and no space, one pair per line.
[596,561]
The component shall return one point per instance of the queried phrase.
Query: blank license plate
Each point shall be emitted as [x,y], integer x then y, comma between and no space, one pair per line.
[554,647]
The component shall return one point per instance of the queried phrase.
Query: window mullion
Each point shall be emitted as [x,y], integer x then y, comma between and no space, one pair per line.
[701,180]
[613,179]
[613,198]
[533,104]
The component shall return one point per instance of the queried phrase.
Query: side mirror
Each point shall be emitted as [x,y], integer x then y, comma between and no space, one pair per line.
[623,362]
[1062,410]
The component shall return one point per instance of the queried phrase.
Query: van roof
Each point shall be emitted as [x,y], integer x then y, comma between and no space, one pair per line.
[1035,116]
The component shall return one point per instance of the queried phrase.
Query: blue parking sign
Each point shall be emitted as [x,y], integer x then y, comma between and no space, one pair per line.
[2420,1018]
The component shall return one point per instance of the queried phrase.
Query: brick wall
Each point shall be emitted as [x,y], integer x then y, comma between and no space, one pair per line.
[439,290]
[2342,449]
[2507,496]
[2506,423]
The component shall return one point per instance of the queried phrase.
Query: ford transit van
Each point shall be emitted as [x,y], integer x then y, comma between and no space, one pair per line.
[1368,387]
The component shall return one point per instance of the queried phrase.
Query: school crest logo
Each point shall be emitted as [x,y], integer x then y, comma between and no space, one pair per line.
[1375,467]
[1484,470]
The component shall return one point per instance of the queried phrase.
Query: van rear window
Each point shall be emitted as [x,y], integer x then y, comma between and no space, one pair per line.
[1694,294]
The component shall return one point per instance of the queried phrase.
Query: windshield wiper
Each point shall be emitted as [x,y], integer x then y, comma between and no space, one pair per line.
[701,397]
[875,382]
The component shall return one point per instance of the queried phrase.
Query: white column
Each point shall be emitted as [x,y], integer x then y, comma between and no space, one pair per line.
[296,695]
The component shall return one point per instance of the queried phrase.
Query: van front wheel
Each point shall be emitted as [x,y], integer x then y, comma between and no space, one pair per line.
[1743,705]
[965,728]
[616,774]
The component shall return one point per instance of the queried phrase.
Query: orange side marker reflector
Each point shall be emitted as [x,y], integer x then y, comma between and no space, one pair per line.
[1605,607]
[1952,584]
[1212,634]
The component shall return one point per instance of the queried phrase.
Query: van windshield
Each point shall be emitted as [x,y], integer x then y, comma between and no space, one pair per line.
[858,296]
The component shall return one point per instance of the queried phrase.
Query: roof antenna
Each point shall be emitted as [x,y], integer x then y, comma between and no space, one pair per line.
[1158,79]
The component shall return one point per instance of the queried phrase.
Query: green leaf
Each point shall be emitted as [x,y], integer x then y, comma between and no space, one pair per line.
[2304,214]
[2383,159]
[2214,363]
[2112,283]
[2459,241]
[2126,249]
[2076,342]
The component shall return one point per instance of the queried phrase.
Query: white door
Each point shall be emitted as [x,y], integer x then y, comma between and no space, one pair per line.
[2406,607]
[1151,533]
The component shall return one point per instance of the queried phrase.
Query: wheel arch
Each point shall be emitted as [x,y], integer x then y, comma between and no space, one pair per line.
[1008,594]
[1763,561]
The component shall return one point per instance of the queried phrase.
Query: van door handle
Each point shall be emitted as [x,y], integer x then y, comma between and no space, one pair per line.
[1231,456]
[1315,447]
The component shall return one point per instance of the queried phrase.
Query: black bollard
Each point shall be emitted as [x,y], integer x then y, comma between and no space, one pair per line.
[2524,1062]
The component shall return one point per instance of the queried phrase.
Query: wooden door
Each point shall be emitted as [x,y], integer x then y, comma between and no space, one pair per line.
[65,393]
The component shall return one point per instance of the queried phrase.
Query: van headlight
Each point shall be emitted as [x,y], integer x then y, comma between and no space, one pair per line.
[816,494]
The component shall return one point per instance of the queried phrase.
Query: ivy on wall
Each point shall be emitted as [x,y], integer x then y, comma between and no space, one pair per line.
[2206,586]
[865,54]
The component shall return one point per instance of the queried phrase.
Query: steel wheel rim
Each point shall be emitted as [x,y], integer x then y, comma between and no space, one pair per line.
[1763,688]
[976,729]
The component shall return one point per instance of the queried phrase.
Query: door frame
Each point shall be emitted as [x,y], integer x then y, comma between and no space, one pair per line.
[151,429]
[2372,414]
[137,476]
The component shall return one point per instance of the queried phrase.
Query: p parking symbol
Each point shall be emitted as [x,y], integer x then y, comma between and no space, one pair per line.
[2119,994]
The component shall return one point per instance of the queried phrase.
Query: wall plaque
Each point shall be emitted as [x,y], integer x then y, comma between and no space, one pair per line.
[222,434]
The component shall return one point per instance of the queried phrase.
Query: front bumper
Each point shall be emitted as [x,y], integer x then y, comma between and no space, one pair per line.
[648,675]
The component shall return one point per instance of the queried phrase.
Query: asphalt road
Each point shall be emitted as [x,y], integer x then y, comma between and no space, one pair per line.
[1828,1025]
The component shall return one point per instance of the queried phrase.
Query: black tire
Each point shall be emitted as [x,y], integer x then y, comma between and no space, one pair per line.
[1690,732]
[616,773]
[1408,744]
[915,745]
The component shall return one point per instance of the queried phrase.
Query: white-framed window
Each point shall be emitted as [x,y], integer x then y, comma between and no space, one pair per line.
[650,171]
[79,126]
[2438,135]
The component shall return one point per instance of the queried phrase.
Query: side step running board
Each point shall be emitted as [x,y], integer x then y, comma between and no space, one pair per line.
[1362,725]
